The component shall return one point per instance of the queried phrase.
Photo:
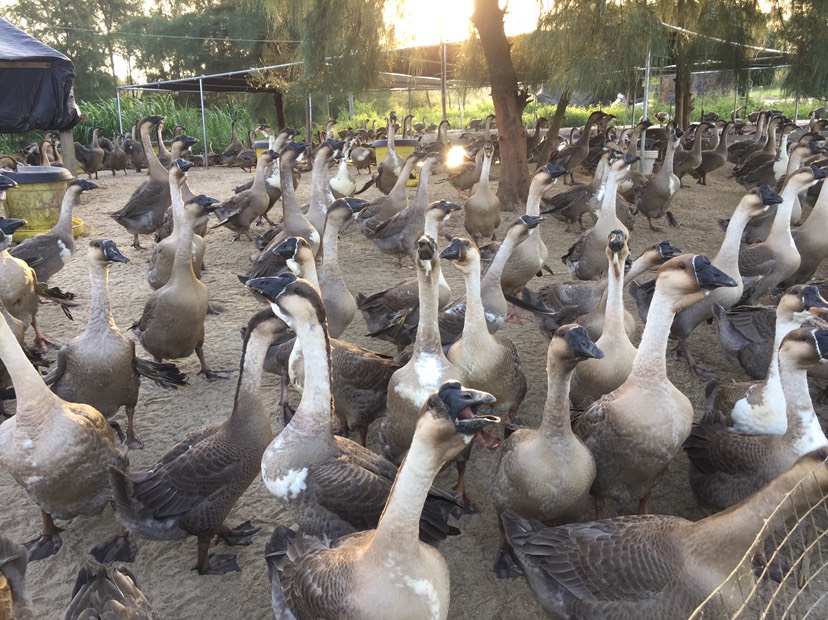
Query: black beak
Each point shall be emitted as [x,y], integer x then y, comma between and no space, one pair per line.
[208,204]
[819,173]
[183,165]
[426,248]
[581,346]
[155,119]
[821,339]
[271,288]
[86,185]
[462,404]
[455,251]
[679,132]
[286,249]
[111,252]
[273,154]
[630,159]
[708,276]
[815,148]
[769,197]
[290,131]
[189,141]
[355,204]
[813,301]
[335,144]
[297,146]
[667,251]
[8,225]
[616,241]
[554,171]
[532,221]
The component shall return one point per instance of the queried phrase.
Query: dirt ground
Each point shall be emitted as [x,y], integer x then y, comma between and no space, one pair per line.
[164,569]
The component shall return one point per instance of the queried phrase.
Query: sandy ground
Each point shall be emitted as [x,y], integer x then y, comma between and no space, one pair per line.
[162,418]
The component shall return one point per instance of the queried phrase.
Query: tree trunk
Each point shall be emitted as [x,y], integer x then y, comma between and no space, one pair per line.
[683,95]
[554,129]
[279,104]
[513,188]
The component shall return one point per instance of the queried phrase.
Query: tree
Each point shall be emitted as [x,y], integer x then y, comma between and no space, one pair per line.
[509,101]
[803,34]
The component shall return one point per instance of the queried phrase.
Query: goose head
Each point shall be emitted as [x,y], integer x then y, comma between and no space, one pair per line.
[758,200]
[463,254]
[105,252]
[488,148]
[805,347]
[617,251]
[441,211]
[79,186]
[179,169]
[199,206]
[8,225]
[569,346]
[343,211]
[800,303]
[689,278]
[425,255]
[292,299]
[522,227]
[429,160]
[449,418]
[803,178]
[658,254]
[297,253]
[546,175]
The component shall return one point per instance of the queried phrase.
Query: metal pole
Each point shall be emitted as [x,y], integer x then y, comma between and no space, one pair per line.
[646,100]
[205,149]
[350,107]
[120,120]
[443,81]
[796,110]
[308,116]
[460,107]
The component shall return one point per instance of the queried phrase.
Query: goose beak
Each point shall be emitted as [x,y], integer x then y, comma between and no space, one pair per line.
[708,276]
[183,165]
[531,221]
[630,159]
[581,346]
[8,225]
[667,251]
[271,288]
[554,171]
[616,241]
[208,204]
[426,248]
[679,132]
[813,301]
[818,173]
[455,251]
[462,404]
[189,141]
[286,249]
[155,119]
[768,196]
[111,252]
[821,340]
[355,204]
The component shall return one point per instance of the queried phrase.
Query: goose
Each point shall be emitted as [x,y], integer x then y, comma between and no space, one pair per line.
[313,474]
[601,375]
[90,158]
[172,324]
[765,167]
[144,211]
[686,161]
[15,602]
[362,157]
[571,156]
[442,144]
[108,592]
[713,159]
[387,571]
[654,199]
[386,207]
[546,473]
[635,431]
[586,259]
[234,148]
[240,210]
[164,156]
[810,241]
[571,205]
[764,265]
[727,467]
[343,185]
[659,566]
[754,204]
[481,212]
[117,159]
[47,253]
[533,141]
[484,359]
[390,169]
[295,224]
[751,157]
[320,197]
[194,486]
[757,408]
[246,158]
[162,258]
[99,367]
[467,174]
[737,150]
[397,235]
[57,451]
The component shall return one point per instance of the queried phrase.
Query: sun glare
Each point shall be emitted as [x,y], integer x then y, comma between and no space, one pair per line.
[456,156]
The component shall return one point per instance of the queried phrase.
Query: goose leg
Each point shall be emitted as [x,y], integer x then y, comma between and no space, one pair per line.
[653,228]
[468,504]
[600,505]
[241,535]
[210,375]
[136,243]
[671,220]
[285,410]
[213,564]
[132,441]
[41,344]
[117,549]
[701,373]
[644,505]
[49,541]
[506,564]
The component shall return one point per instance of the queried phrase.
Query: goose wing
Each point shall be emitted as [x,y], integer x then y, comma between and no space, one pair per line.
[756,260]
[108,592]
[564,200]
[144,199]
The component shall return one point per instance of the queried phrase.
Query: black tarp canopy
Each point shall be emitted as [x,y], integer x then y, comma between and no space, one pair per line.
[35,84]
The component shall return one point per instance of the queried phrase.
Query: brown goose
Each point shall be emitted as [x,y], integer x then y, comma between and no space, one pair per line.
[99,367]
[653,200]
[653,567]
[481,212]
[234,148]
[635,431]
[740,149]
[313,474]
[727,467]
[144,211]
[108,592]
[164,156]
[172,324]
[386,207]
[810,240]
[571,205]
[686,161]
[49,252]
[766,168]
[380,573]
[466,175]
[240,210]
[117,159]
[390,169]
[572,156]
[195,485]
[713,159]
[90,158]
[546,473]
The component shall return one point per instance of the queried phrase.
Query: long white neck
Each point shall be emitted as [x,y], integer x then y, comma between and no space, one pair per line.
[804,430]
[651,359]
[28,385]
[100,314]
[64,223]
[318,209]
[183,260]
[330,246]
[428,331]
[421,197]
[157,171]
[535,193]
[614,312]
[485,170]
[781,226]
[727,258]
[495,269]
[475,324]
[607,212]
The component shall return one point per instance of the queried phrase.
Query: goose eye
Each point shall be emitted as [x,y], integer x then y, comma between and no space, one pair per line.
[682,266]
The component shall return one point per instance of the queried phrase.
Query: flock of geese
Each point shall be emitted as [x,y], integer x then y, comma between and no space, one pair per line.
[369,525]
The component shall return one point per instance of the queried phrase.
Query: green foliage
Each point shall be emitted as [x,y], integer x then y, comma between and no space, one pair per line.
[803,31]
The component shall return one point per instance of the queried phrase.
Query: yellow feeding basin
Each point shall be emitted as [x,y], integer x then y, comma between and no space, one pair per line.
[154,143]
[260,146]
[404,148]
[37,199]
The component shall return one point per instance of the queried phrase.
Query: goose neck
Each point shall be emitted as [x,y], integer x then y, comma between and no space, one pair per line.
[32,394]
[607,212]
[157,171]
[399,186]
[498,264]
[804,432]
[64,223]
[421,197]
[100,313]
[330,248]
[428,331]
[781,226]
[318,204]
[183,259]
[614,313]
[485,170]
[534,199]
[475,323]
[651,359]
[556,421]
[248,410]
[727,258]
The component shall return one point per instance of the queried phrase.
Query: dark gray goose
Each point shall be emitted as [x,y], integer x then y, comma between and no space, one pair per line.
[109,593]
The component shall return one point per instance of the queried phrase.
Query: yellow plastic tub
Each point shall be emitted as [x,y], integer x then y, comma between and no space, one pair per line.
[260,146]
[404,148]
[37,199]
[154,143]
